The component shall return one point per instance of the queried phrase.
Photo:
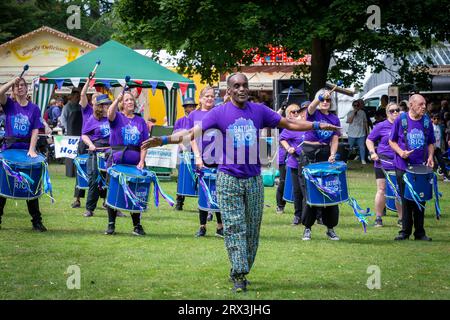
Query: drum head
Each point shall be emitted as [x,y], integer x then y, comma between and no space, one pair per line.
[325,166]
[131,172]
[20,156]
[419,169]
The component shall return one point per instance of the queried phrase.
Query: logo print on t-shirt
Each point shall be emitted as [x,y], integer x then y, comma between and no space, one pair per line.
[104,130]
[416,139]
[130,135]
[243,132]
[20,125]
[323,135]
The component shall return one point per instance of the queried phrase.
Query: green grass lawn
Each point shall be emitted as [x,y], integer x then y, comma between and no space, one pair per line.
[170,263]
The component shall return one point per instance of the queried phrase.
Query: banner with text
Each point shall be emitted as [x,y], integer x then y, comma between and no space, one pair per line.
[165,156]
[66,146]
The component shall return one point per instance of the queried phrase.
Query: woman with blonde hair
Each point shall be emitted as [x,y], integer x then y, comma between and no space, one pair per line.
[201,147]
[383,157]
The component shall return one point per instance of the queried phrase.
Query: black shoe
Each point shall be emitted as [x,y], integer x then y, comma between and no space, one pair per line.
[138,230]
[111,229]
[38,226]
[332,235]
[179,207]
[280,210]
[201,232]
[296,221]
[88,213]
[378,222]
[210,216]
[239,284]
[219,232]
[401,237]
[423,238]
[76,204]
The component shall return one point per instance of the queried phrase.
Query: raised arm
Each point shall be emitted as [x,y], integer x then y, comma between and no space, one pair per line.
[112,110]
[4,88]
[83,94]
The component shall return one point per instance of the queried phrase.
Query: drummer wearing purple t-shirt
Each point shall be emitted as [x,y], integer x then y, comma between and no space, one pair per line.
[95,134]
[23,121]
[418,149]
[239,185]
[291,141]
[319,145]
[127,132]
[383,157]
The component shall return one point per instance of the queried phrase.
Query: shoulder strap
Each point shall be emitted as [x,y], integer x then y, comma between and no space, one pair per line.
[426,125]
[404,123]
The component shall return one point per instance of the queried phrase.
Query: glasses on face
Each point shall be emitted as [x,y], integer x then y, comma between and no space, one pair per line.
[327,100]
[394,110]
[295,111]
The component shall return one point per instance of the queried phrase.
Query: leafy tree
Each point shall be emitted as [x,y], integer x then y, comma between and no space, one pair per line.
[213,34]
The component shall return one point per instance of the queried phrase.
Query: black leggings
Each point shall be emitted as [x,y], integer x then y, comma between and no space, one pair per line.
[203,216]
[298,194]
[280,189]
[112,215]
[33,209]
[330,215]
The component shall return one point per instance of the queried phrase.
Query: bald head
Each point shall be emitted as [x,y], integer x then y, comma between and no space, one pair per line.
[417,105]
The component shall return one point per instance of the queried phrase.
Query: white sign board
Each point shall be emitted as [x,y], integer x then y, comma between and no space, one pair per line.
[165,156]
[66,146]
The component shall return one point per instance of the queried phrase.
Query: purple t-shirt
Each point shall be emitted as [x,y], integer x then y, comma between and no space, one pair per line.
[206,147]
[21,121]
[96,129]
[416,140]
[281,152]
[380,133]
[241,129]
[182,123]
[322,136]
[127,132]
[293,138]
[86,112]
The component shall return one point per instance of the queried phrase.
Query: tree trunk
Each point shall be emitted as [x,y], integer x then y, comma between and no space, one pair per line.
[320,62]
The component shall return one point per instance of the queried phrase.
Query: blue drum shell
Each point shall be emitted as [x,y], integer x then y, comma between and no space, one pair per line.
[209,176]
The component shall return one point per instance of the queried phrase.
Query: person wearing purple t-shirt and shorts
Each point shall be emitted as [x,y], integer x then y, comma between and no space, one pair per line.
[319,145]
[291,141]
[383,158]
[95,135]
[127,132]
[239,186]
[23,121]
[416,148]
[183,123]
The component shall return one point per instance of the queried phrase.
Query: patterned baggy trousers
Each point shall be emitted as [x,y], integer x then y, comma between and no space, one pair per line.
[241,202]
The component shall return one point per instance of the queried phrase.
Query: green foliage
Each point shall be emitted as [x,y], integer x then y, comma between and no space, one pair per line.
[20,17]
[214,34]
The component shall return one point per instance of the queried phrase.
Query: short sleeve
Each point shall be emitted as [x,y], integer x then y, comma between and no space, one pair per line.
[37,122]
[271,118]
[431,138]
[114,123]
[394,132]
[210,120]
[8,105]
[374,135]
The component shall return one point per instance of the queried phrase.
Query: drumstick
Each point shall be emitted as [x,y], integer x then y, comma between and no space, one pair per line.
[338,84]
[125,88]
[91,74]
[25,68]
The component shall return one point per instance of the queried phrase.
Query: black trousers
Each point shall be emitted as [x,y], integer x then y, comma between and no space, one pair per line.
[180,200]
[33,210]
[330,215]
[94,191]
[281,203]
[412,214]
[112,215]
[298,194]
[440,161]
[203,216]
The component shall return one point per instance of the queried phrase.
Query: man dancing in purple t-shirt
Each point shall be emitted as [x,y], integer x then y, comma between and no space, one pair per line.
[239,186]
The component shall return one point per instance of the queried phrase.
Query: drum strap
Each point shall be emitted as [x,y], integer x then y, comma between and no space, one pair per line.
[9,141]
[101,143]
[426,124]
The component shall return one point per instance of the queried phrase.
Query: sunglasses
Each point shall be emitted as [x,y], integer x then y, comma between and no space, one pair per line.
[295,111]
[394,110]
[326,100]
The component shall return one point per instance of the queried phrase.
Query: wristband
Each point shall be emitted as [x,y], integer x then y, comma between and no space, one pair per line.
[316,125]
[165,140]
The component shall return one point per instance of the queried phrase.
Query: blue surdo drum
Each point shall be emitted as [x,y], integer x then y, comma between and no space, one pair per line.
[101,161]
[288,192]
[419,180]
[326,183]
[82,177]
[187,182]
[128,188]
[390,194]
[207,198]
[20,175]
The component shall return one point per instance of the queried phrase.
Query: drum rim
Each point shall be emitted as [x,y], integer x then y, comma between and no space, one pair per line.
[122,209]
